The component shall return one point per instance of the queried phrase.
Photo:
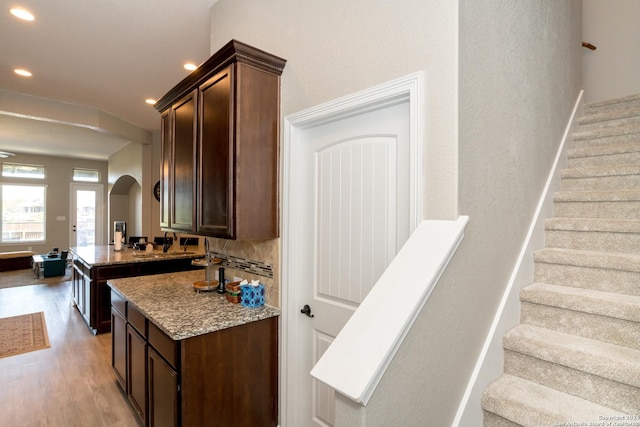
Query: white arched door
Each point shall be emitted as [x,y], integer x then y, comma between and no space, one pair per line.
[350,205]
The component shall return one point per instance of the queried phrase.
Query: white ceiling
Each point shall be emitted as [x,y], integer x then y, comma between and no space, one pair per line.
[93,63]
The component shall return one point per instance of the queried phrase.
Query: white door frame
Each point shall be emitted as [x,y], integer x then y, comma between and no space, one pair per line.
[395,91]
[98,188]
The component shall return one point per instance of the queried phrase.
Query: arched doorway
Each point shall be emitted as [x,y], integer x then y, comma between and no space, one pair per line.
[125,204]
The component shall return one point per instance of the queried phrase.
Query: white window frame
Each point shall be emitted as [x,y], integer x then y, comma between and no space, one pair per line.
[25,176]
[44,213]
[76,178]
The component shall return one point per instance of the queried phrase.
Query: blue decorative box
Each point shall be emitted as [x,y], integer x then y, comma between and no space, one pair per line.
[252,296]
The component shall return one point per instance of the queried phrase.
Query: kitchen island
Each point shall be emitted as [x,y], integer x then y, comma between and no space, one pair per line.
[193,359]
[94,265]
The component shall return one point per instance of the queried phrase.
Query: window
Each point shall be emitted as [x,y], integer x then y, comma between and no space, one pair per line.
[23,213]
[14,170]
[86,175]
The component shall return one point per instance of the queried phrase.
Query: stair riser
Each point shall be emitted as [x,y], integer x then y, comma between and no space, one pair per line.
[606,132]
[587,325]
[605,160]
[593,109]
[606,280]
[611,122]
[593,241]
[617,182]
[493,420]
[603,391]
[606,209]
[584,142]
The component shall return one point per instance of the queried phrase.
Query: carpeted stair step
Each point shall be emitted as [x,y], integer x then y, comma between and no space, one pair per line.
[626,117]
[618,204]
[625,177]
[594,234]
[604,155]
[600,271]
[526,403]
[629,138]
[605,117]
[622,103]
[493,420]
[606,135]
[603,373]
[603,316]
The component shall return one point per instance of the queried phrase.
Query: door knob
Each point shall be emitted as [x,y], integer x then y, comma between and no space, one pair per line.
[306,310]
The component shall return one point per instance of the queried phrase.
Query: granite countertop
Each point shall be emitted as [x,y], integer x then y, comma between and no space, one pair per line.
[106,255]
[171,303]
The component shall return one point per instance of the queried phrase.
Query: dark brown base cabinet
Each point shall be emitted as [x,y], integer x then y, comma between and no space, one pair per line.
[92,296]
[224,378]
[163,391]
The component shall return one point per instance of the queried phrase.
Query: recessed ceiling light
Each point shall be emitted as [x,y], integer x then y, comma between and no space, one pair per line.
[23,14]
[150,101]
[22,72]
[190,67]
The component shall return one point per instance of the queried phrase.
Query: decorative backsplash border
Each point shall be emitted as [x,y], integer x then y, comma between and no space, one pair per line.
[250,266]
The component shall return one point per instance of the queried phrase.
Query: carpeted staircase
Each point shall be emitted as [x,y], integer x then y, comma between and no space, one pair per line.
[575,357]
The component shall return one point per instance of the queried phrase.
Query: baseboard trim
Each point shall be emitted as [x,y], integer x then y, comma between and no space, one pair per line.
[488,369]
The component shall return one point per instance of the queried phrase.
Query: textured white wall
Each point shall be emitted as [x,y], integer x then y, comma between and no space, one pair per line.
[150,206]
[134,226]
[611,71]
[520,76]
[512,91]
[336,47]
[127,161]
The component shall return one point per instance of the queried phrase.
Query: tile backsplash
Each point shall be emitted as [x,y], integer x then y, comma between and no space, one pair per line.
[251,260]
[247,265]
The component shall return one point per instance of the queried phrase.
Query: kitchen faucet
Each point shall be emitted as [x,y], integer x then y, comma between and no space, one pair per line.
[165,245]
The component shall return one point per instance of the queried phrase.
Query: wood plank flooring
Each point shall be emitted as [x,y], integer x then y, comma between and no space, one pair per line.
[69,384]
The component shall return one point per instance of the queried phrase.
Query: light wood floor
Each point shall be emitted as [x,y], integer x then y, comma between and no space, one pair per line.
[69,384]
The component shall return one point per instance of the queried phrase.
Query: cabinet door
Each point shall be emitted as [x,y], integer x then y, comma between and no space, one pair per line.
[103,318]
[85,283]
[77,289]
[165,168]
[163,391]
[119,346]
[136,369]
[184,160]
[216,156]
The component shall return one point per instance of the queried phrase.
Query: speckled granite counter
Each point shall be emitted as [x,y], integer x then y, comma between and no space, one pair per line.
[170,302]
[106,255]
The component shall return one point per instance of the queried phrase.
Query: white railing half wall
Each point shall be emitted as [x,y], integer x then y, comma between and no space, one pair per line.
[357,359]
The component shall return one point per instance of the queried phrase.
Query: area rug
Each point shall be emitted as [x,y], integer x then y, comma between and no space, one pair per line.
[22,334]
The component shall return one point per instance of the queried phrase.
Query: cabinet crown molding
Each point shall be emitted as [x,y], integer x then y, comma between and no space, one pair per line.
[234,51]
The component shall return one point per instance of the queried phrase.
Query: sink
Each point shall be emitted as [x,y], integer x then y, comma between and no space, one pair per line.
[144,255]
[177,253]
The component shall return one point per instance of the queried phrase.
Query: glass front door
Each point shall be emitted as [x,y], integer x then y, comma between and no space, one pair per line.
[86,215]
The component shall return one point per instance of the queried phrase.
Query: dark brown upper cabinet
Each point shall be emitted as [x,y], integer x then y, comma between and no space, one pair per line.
[220,134]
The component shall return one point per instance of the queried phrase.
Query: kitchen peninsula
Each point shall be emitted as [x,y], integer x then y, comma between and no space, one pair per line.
[193,359]
[94,265]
